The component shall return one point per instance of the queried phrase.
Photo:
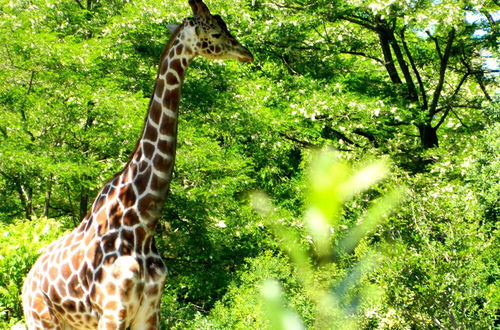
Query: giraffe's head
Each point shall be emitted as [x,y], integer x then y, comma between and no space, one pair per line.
[209,37]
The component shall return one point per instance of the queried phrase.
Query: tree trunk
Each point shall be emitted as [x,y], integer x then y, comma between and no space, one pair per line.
[412,90]
[29,200]
[389,61]
[428,136]
[23,200]
[84,201]
[48,194]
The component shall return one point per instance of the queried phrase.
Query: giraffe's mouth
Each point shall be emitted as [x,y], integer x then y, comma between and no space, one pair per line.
[244,59]
[243,54]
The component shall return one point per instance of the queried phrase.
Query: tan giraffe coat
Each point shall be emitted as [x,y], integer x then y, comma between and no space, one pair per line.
[107,273]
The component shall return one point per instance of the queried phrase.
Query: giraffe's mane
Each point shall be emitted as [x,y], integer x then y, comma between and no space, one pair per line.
[162,57]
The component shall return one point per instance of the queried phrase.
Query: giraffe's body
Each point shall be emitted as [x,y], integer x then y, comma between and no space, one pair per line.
[107,273]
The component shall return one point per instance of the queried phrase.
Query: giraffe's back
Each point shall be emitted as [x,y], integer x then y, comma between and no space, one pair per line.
[84,279]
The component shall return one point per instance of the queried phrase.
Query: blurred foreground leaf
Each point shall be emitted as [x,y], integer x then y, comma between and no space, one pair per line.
[332,182]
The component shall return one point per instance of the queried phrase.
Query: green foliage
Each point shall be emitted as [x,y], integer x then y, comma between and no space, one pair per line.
[242,306]
[22,242]
[75,80]
[321,275]
[335,303]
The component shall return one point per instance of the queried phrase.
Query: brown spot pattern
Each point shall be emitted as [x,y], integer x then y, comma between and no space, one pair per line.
[142,180]
[97,256]
[172,79]
[155,112]
[157,183]
[178,50]
[160,85]
[160,163]
[127,196]
[176,65]
[130,218]
[110,259]
[171,99]
[146,203]
[108,242]
[150,133]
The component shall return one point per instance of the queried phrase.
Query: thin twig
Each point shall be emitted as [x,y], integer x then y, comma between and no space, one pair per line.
[459,119]
[363,55]
[79,4]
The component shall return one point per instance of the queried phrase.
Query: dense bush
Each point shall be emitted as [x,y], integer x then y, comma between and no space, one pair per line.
[22,242]
[411,82]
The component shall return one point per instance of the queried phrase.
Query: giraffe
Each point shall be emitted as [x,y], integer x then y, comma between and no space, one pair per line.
[107,273]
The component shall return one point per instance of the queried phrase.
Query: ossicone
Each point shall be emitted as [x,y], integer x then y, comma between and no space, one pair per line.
[199,8]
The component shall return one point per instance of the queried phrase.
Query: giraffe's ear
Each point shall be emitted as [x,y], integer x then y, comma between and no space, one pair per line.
[173,27]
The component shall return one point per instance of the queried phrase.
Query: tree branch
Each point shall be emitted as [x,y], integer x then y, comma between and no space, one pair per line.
[358,21]
[423,93]
[442,72]
[459,119]
[363,55]
[399,123]
[4,132]
[436,43]
[367,135]
[445,114]
[483,88]
[338,134]
[79,4]
[412,91]
[30,85]
[301,142]
[490,19]
[459,86]
[5,175]
[455,93]
[272,3]
[478,74]
[388,60]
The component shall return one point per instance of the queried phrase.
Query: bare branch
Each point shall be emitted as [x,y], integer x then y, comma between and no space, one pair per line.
[439,324]
[490,19]
[459,86]
[399,123]
[479,74]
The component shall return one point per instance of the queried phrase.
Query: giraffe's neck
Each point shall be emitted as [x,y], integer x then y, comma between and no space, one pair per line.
[149,171]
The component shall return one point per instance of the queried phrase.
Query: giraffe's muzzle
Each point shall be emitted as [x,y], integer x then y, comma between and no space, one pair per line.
[244,55]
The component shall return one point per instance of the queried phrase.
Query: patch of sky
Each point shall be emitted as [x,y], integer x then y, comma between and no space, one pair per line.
[474,17]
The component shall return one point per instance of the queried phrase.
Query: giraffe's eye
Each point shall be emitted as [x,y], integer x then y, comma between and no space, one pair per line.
[217,35]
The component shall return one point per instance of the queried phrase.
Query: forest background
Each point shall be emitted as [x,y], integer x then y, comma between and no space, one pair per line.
[409,88]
